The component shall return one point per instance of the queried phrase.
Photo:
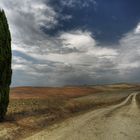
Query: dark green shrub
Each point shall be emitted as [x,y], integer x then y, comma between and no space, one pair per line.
[5,64]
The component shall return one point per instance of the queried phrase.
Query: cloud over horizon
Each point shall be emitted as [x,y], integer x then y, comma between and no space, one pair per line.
[71,56]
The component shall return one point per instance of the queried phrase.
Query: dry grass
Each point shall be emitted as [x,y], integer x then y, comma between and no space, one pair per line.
[33,109]
[138,100]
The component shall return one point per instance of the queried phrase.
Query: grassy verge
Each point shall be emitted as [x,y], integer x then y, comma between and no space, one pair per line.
[138,100]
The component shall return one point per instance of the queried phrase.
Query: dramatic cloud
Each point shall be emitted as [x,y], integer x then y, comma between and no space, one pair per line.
[129,54]
[70,56]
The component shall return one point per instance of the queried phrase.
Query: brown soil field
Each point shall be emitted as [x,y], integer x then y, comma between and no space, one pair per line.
[69,92]
[45,92]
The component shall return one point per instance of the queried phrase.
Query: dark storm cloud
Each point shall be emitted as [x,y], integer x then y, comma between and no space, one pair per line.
[78,42]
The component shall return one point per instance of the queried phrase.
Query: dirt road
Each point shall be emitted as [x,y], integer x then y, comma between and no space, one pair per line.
[116,122]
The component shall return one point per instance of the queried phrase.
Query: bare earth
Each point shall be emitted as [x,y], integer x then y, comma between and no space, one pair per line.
[115,122]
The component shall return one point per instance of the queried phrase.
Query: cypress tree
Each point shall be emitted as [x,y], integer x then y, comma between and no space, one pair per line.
[5,64]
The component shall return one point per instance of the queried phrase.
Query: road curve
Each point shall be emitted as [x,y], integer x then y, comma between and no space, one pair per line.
[116,122]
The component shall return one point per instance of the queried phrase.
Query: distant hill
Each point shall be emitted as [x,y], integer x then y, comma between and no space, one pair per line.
[71,92]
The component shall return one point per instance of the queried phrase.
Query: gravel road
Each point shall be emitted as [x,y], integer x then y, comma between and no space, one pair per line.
[116,122]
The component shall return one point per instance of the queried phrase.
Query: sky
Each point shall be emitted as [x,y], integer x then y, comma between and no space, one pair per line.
[74,42]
